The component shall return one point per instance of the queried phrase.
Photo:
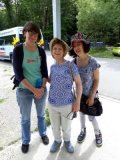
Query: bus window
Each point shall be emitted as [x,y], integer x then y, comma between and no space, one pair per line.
[9,38]
[2,41]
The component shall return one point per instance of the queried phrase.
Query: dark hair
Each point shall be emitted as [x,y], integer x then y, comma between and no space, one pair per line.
[86,48]
[72,53]
[76,38]
[32,27]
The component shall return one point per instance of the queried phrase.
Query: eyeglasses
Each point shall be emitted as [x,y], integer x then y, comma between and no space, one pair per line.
[32,34]
[71,115]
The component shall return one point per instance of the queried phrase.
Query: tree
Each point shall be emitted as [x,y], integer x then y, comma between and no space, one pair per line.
[8,6]
[99,19]
[68,19]
[18,12]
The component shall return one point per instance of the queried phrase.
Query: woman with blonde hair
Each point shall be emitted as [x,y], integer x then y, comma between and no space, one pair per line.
[61,101]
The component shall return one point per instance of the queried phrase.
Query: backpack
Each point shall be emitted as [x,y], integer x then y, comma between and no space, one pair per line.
[13,78]
[15,82]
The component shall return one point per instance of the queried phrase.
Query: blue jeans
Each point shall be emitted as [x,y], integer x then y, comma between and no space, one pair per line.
[24,99]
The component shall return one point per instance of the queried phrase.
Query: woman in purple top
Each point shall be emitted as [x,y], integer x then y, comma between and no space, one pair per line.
[61,101]
[89,72]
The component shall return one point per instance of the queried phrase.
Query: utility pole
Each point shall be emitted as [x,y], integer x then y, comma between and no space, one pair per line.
[56,18]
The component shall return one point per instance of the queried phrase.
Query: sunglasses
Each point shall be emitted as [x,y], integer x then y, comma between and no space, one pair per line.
[71,115]
[31,33]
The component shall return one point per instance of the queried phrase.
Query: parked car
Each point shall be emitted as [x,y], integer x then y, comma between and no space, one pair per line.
[116,49]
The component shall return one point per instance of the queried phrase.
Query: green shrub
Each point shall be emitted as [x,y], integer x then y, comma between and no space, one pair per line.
[47,117]
[101,52]
[2,100]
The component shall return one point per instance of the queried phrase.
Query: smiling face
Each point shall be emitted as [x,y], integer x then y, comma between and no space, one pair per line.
[58,52]
[59,49]
[31,32]
[31,36]
[78,48]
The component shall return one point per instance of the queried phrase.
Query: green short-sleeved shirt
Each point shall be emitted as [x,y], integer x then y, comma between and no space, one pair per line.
[31,66]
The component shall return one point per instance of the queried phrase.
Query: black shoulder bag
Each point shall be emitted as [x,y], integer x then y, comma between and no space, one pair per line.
[94,110]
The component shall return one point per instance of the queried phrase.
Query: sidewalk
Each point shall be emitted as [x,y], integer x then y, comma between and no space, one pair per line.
[87,150]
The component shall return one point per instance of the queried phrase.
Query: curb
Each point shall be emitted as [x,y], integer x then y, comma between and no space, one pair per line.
[109,98]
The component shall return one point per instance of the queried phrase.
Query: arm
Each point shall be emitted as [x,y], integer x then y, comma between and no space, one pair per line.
[28,85]
[43,67]
[17,62]
[95,82]
[38,92]
[78,84]
[45,80]
[90,100]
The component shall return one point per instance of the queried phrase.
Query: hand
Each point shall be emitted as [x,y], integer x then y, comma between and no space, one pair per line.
[38,93]
[90,101]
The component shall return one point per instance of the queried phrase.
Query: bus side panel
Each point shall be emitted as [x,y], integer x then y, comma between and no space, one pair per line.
[5,51]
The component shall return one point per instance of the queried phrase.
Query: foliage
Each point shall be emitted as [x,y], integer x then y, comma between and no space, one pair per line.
[47,117]
[2,100]
[100,20]
[68,19]
[102,53]
[17,12]
[8,12]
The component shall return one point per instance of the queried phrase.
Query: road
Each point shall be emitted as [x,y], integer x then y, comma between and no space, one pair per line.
[109,75]
[10,130]
[110,78]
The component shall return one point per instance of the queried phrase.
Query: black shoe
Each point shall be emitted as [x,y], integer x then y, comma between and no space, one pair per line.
[45,140]
[81,136]
[25,148]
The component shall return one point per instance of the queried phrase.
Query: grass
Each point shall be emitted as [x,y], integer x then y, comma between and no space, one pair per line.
[47,117]
[1,148]
[2,100]
[13,142]
[102,53]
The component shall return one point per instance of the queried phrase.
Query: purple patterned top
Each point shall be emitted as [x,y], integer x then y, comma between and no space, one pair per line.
[86,75]
[60,92]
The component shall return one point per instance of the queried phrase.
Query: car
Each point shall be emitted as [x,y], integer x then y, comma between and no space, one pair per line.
[116,50]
